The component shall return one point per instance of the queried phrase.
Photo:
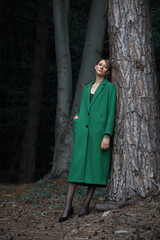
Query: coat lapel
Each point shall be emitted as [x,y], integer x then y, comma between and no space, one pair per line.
[96,94]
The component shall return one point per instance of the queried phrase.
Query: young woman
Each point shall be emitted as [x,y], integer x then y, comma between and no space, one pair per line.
[92,129]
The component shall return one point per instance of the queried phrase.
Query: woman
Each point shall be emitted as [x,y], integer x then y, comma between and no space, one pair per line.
[93,127]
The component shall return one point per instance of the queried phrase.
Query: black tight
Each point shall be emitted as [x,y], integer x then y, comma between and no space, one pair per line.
[70,193]
[85,207]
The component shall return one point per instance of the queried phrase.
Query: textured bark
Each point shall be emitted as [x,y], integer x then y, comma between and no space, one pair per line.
[28,159]
[64,91]
[134,172]
[92,52]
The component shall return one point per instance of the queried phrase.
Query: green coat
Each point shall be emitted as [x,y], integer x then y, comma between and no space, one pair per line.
[90,164]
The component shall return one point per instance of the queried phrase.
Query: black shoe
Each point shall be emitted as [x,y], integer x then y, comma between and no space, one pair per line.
[62,219]
[86,212]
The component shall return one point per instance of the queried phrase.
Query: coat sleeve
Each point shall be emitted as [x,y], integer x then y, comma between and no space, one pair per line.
[111,111]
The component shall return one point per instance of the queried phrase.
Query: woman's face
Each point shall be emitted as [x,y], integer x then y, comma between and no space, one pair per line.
[101,68]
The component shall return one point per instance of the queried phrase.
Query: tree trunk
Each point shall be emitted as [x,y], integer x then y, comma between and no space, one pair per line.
[93,48]
[92,52]
[64,91]
[28,160]
[134,172]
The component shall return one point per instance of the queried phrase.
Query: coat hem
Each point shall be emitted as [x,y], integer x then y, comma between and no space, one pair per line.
[84,183]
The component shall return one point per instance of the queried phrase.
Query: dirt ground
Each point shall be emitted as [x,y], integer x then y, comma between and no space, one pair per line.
[31,211]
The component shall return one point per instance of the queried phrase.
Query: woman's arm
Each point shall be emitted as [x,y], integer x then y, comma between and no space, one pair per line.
[110,121]
[111,111]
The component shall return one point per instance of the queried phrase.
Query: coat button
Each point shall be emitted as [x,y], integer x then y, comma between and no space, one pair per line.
[86,126]
[88,114]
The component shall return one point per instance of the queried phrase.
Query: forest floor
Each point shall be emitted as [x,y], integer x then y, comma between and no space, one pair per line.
[31,211]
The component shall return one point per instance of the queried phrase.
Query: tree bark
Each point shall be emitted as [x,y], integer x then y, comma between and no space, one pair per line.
[28,159]
[136,143]
[64,90]
[93,48]
[92,52]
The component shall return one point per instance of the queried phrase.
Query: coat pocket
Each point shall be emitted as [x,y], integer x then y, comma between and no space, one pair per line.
[102,120]
[75,124]
[75,119]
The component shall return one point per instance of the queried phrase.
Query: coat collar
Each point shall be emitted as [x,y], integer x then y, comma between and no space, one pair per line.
[96,94]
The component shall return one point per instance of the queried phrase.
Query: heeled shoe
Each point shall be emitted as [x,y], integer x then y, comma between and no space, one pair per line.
[62,219]
[85,213]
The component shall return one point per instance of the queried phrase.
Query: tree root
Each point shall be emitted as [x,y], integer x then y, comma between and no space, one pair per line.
[108,205]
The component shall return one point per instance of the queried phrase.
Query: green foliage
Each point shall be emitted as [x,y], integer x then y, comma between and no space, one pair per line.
[38,191]
[1,189]
[49,190]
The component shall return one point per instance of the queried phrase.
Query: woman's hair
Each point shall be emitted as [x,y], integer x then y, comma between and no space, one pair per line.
[107,63]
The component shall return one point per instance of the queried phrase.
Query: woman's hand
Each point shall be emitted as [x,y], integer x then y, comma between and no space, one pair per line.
[75,117]
[105,142]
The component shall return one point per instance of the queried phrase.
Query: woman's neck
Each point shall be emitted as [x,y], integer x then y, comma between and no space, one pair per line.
[99,79]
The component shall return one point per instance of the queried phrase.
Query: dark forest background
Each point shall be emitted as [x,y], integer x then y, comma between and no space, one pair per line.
[17,48]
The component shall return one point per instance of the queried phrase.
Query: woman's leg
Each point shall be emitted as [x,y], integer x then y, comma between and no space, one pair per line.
[70,193]
[85,209]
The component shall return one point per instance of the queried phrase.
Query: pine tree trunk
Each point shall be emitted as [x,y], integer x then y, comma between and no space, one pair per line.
[92,52]
[134,172]
[28,159]
[93,48]
[64,91]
